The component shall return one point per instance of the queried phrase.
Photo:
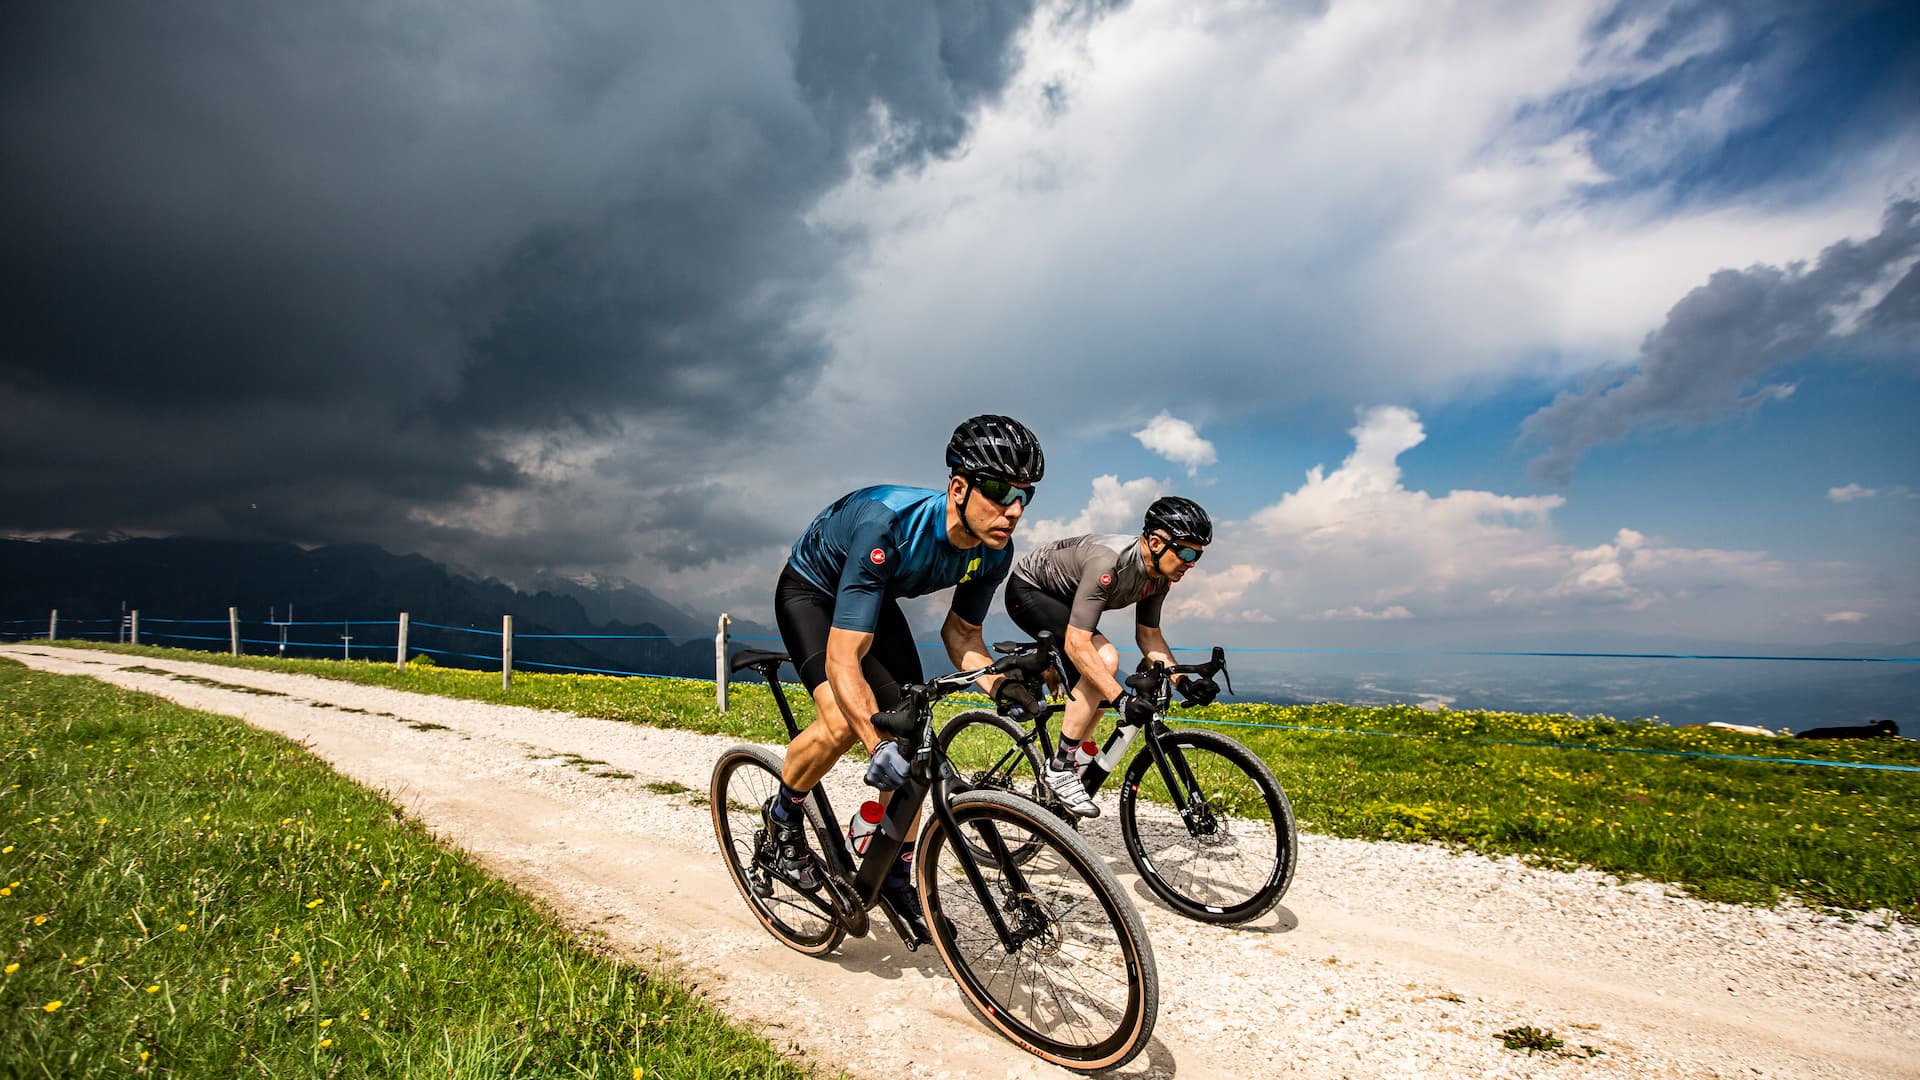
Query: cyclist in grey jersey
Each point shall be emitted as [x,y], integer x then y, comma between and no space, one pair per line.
[1064,587]
[1100,573]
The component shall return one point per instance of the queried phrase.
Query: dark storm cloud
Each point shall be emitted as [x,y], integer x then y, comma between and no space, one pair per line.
[1725,336]
[338,259]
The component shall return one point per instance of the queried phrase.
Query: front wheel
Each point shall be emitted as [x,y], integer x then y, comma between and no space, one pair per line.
[1219,847]
[1073,979]
[744,779]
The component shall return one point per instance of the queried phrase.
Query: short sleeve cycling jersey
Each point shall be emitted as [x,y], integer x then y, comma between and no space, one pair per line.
[1095,573]
[891,541]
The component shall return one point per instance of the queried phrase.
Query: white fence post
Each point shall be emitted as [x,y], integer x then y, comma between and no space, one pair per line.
[134,634]
[506,652]
[53,625]
[720,663]
[233,630]
[400,649]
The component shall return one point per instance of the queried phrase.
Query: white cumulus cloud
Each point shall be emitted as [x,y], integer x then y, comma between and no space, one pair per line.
[1177,441]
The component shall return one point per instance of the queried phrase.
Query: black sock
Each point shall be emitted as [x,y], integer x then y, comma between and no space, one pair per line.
[1063,755]
[900,875]
[788,804]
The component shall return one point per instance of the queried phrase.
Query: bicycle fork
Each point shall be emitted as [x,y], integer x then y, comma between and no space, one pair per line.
[1175,772]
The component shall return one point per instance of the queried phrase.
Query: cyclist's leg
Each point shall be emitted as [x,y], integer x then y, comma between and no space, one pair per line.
[1034,610]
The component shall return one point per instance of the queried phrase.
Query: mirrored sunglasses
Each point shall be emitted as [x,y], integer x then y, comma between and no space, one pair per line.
[1003,492]
[1185,554]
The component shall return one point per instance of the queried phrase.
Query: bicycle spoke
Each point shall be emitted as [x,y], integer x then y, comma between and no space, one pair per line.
[1226,854]
[1067,976]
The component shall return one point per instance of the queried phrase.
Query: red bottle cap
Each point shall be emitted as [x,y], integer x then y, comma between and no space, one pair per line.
[871,812]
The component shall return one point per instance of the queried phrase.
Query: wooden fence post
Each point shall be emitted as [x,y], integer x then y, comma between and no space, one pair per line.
[506,652]
[53,625]
[133,637]
[233,630]
[400,650]
[720,664]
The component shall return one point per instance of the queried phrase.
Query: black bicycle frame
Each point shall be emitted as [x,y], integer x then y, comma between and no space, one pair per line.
[929,771]
[1174,772]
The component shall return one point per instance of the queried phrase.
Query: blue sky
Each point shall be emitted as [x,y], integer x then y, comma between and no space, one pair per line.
[1467,321]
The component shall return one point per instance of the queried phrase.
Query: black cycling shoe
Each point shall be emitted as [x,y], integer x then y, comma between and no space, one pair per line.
[906,903]
[899,891]
[792,859]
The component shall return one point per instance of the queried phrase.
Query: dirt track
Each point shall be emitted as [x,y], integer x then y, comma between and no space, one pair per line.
[1385,960]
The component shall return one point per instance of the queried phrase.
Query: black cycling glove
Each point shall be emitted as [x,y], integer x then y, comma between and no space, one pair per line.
[1135,709]
[1198,690]
[1012,694]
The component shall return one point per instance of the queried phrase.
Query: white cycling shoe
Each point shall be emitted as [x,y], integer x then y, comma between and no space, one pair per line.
[1066,786]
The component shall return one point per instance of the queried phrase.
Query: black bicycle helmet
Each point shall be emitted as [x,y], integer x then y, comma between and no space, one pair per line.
[998,448]
[1181,519]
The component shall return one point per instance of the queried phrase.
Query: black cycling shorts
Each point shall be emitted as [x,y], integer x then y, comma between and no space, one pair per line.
[1034,609]
[805,617]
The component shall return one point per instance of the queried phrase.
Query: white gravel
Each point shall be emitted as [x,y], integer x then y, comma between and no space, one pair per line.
[1384,960]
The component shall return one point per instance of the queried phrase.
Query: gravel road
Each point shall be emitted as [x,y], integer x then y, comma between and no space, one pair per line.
[1384,960]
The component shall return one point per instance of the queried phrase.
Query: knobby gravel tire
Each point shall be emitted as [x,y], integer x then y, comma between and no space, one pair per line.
[1080,989]
[1243,862]
[743,779]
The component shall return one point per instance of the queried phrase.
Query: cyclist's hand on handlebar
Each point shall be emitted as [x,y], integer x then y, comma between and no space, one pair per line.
[1012,694]
[1135,709]
[1198,690]
[888,769]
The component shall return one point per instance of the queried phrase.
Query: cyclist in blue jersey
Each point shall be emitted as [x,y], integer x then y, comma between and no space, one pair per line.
[1065,586]
[837,605]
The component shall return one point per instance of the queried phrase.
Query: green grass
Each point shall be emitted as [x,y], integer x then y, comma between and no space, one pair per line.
[1740,831]
[183,895]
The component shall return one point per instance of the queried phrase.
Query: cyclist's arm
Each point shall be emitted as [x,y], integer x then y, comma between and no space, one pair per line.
[1153,646]
[845,650]
[967,648]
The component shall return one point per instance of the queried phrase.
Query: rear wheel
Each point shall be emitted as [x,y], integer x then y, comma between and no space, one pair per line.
[1221,847]
[1076,984]
[744,779]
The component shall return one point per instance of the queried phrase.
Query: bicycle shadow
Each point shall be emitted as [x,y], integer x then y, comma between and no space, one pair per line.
[881,953]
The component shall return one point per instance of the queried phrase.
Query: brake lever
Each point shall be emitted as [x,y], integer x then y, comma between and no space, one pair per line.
[1220,662]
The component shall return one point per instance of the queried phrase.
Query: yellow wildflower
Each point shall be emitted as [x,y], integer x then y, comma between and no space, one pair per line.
[52,1006]
[181,928]
[326,1043]
[154,989]
[8,850]
[327,1022]
[39,920]
[11,968]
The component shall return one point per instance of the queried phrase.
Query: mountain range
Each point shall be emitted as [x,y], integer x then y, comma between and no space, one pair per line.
[183,585]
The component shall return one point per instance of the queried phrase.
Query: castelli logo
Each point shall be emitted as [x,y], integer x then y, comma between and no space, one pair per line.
[878,556]
[1106,579]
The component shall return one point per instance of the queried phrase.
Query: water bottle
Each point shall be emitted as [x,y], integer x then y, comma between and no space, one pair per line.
[861,825]
[1084,754]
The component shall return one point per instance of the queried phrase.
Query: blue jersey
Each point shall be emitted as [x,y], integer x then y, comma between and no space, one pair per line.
[890,542]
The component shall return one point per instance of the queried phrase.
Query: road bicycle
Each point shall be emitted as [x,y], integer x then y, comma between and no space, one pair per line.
[1045,945]
[1204,820]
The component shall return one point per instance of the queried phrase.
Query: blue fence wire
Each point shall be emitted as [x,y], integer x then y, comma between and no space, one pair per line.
[373,646]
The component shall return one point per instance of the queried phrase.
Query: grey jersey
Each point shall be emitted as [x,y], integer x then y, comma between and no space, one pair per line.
[1095,573]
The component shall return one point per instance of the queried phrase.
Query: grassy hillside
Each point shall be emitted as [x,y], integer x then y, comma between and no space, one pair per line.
[187,896]
[1628,798]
